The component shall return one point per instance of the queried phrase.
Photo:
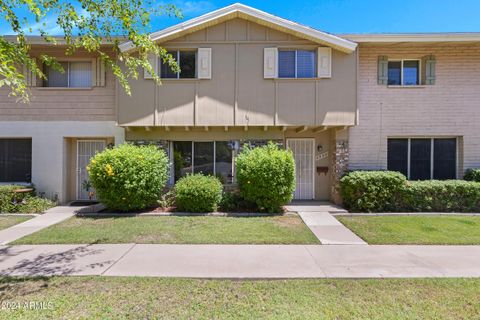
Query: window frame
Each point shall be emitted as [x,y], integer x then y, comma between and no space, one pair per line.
[432,152]
[315,63]
[68,74]
[401,72]
[234,154]
[177,59]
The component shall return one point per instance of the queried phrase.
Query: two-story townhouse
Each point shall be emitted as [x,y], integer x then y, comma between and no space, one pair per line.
[402,102]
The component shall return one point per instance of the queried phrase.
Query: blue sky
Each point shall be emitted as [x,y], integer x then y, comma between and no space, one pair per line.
[344,16]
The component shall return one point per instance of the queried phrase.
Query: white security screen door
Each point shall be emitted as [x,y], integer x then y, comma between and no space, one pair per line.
[304,153]
[86,149]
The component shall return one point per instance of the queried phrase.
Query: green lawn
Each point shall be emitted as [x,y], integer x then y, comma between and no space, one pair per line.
[288,229]
[8,221]
[415,229]
[155,298]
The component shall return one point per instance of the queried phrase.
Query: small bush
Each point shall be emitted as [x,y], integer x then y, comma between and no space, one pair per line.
[198,193]
[35,205]
[440,196]
[472,175]
[129,177]
[266,176]
[371,191]
[25,202]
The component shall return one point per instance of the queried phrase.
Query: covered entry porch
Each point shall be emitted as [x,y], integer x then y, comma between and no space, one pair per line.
[321,153]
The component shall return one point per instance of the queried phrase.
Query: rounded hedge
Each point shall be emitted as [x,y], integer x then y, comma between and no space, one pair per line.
[266,176]
[372,191]
[472,175]
[129,177]
[198,193]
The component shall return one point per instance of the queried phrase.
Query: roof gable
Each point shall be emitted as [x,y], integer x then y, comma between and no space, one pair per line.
[250,14]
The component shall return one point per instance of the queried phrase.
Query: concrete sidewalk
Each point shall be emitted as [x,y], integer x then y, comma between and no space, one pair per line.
[50,217]
[317,216]
[241,261]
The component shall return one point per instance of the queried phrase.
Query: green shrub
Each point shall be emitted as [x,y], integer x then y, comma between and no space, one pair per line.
[35,205]
[25,202]
[472,175]
[129,177]
[383,191]
[198,193]
[440,196]
[371,191]
[266,176]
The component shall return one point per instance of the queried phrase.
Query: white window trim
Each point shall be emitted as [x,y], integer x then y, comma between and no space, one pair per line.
[177,58]
[401,73]
[296,50]
[68,75]
[432,146]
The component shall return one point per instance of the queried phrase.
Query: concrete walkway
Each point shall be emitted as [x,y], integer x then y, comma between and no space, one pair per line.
[317,216]
[50,217]
[241,261]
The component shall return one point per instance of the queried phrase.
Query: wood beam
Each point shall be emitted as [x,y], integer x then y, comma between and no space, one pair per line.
[147,128]
[128,129]
[283,128]
[342,128]
[265,128]
[320,129]
[301,129]
[187,128]
[167,128]
[206,128]
[226,128]
[245,128]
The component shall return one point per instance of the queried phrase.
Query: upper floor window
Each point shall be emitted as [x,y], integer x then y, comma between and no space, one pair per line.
[297,64]
[186,60]
[77,74]
[404,72]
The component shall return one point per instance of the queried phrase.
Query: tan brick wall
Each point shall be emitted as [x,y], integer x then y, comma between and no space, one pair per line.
[451,107]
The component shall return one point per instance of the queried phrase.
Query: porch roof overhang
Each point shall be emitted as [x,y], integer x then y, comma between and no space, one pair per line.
[239,10]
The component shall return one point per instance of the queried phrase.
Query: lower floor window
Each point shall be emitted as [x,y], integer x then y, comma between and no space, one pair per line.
[423,158]
[15,160]
[207,157]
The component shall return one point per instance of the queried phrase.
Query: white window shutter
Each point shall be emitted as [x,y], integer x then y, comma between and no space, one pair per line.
[324,65]
[204,63]
[153,60]
[270,63]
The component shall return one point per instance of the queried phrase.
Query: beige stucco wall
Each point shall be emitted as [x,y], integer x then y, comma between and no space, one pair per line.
[451,107]
[61,104]
[237,93]
[51,150]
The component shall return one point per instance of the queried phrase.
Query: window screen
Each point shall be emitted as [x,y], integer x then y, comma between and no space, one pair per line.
[55,78]
[444,158]
[77,74]
[305,64]
[286,64]
[410,73]
[420,159]
[165,69]
[203,157]
[15,160]
[182,158]
[394,73]
[397,154]
[187,64]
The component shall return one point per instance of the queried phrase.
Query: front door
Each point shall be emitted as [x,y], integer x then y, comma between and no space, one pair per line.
[86,149]
[304,153]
